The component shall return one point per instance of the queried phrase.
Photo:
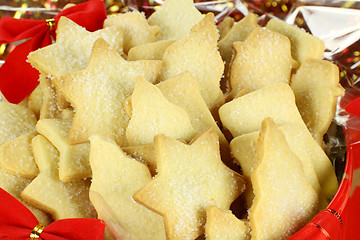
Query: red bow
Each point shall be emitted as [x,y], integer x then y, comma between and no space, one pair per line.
[17,222]
[17,77]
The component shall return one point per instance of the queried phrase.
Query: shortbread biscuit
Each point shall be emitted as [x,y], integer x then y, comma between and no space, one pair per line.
[225,26]
[262,60]
[47,192]
[245,114]
[17,127]
[316,88]
[184,92]
[50,106]
[35,100]
[15,121]
[175,18]
[145,154]
[116,178]
[16,156]
[74,159]
[135,28]
[153,114]
[14,185]
[224,225]
[239,32]
[303,44]
[71,51]
[197,54]
[98,92]
[184,188]
[149,51]
[284,201]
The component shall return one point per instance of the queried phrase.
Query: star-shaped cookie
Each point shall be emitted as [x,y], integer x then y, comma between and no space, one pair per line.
[47,192]
[145,154]
[15,120]
[224,225]
[175,18]
[116,177]
[72,49]
[197,54]
[16,156]
[17,127]
[98,92]
[14,185]
[74,159]
[190,178]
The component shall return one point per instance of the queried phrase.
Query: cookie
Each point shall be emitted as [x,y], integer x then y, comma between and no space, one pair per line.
[35,100]
[149,51]
[16,156]
[15,121]
[153,114]
[238,33]
[14,185]
[303,45]
[175,18]
[184,188]
[50,106]
[48,193]
[284,201]
[263,59]
[98,92]
[197,54]
[135,28]
[184,92]
[145,154]
[74,159]
[244,115]
[116,178]
[71,51]
[224,225]
[225,26]
[316,88]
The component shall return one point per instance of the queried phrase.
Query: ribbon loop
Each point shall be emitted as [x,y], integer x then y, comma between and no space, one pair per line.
[35,233]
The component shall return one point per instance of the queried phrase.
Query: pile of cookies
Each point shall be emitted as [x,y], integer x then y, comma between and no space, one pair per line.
[166,121]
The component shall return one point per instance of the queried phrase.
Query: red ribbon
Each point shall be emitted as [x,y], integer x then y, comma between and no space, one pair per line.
[17,222]
[17,77]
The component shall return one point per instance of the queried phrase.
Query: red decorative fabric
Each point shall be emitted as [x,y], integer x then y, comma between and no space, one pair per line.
[17,77]
[17,222]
